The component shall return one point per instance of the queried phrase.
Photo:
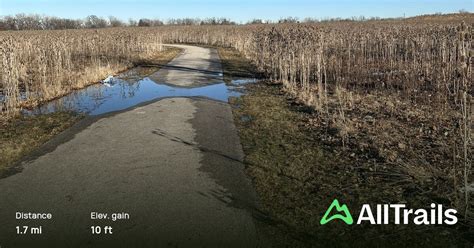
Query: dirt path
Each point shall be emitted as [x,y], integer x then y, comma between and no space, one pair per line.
[174,165]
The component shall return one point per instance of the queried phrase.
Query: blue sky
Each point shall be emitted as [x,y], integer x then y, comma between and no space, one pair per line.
[236,10]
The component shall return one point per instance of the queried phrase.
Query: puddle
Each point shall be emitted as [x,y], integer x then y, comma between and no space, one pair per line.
[238,85]
[129,89]
[243,81]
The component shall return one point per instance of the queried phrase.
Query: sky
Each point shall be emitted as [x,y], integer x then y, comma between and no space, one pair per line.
[239,11]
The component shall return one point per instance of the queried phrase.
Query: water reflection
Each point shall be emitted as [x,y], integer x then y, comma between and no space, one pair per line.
[128,90]
[243,81]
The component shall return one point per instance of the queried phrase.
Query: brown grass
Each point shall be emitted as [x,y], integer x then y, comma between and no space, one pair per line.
[234,66]
[38,66]
[363,141]
[399,92]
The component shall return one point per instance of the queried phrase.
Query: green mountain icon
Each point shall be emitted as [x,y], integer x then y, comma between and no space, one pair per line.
[346,216]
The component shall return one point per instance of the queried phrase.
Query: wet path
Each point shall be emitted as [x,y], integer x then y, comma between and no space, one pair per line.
[174,165]
[194,73]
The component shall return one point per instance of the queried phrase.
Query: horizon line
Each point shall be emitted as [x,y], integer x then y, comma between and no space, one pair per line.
[461,11]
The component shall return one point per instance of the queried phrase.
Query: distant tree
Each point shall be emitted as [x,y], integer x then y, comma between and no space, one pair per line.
[156,22]
[3,25]
[171,21]
[310,20]
[61,23]
[255,21]
[29,22]
[150,22]
[225,21]
[94,21]
[144,23]
[288,20]
[115,22]
[10,23]
[183,21]
[209,21]
[22,22]
[37,22]
[217,21]
[132,22]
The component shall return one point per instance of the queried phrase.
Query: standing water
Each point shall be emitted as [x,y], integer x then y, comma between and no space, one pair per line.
[130,89]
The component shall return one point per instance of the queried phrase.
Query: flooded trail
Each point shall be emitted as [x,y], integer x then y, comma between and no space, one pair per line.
[195,72]
[173,164]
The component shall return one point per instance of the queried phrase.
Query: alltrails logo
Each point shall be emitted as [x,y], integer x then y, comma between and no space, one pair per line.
[385,213]
[346,217]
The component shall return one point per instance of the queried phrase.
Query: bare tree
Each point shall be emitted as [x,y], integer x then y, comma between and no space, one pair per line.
[132,22]
[288,19]
[51,23]
[94,21]
[115,22]
[144,23]
[255,21]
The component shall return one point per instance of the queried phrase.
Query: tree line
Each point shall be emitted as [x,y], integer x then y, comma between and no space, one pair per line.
[40,22]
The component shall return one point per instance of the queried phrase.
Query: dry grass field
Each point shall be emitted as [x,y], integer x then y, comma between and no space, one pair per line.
[38,66]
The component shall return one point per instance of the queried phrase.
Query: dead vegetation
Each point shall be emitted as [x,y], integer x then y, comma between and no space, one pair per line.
[38,66]
[395,92]
[390,122]
[234,66]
